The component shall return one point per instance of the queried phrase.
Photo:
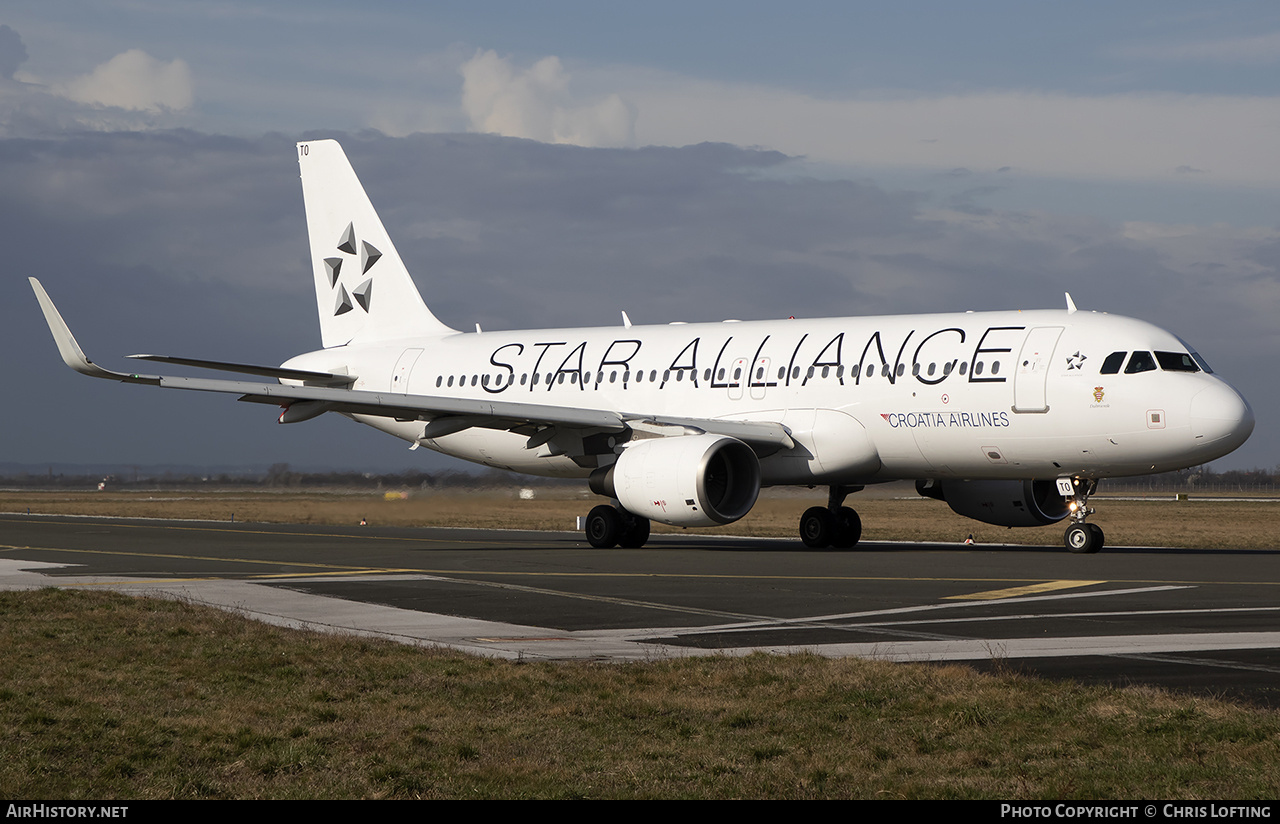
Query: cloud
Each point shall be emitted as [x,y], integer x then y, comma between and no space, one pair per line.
[12,52]
[194,244]
[130,92]
[1116,137]
[136,81]
[1258,49]
[536,103]
[1127,137]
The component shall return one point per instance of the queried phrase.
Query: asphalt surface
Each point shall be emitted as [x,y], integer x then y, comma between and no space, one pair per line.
[1206,621]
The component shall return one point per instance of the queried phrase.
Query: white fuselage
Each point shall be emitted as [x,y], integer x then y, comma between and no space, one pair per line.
[989,395]
[1009,417]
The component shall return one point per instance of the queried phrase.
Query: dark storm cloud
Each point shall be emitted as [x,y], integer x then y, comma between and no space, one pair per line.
[689,233]
[12,52]
[183,243]
[1268,255]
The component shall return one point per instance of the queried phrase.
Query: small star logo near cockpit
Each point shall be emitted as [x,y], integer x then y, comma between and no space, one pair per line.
[1076,361]
[368,255]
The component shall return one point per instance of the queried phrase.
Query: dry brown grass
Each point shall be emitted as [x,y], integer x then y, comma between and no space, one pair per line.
[1198,523]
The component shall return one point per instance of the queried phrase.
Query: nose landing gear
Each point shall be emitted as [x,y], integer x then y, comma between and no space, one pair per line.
[1083,538]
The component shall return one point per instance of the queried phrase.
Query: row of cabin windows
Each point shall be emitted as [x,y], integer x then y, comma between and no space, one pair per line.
[1141,361]
[825,371]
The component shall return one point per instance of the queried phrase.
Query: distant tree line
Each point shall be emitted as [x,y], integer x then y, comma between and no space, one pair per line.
[277,477]
[281,476]
[1199,479]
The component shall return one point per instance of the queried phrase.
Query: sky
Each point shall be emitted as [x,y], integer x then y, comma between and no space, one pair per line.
[553,164]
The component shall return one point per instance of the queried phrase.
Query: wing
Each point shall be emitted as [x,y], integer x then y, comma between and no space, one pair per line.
[442,415]
[279,372]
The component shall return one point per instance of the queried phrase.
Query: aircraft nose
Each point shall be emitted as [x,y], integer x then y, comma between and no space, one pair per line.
[1219,414]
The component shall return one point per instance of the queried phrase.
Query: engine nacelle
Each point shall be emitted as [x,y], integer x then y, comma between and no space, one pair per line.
[1003,503]
[688,480]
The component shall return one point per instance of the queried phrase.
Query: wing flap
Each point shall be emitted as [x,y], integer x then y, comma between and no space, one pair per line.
[465,412]
[279,372]
[405,407]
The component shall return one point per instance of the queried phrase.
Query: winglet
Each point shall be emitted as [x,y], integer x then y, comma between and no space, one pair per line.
[71,352]
[1071,304]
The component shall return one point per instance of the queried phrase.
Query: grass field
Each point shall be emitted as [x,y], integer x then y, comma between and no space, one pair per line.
[894,513]
[110,697]
[106,697]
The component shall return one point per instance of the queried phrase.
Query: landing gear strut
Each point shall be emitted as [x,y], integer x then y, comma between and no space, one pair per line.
[1081,537]
[834,525]
[609,526]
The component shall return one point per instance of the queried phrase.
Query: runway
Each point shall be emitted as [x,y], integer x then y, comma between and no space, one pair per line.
[1199,620]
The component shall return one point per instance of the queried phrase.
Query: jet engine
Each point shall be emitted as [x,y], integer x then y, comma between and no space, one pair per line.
[1003,503]
[687,480]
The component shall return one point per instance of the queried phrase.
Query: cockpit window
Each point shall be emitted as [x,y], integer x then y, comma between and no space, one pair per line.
[1195,356]
[1111,365]
[1140,362]
[1176,362]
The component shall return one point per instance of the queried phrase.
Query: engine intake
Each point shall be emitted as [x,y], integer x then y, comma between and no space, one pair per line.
[1003,503]
[689,480]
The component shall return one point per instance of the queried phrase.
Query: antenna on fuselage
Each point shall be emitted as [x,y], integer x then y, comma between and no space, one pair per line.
[1071,304]
[626,321]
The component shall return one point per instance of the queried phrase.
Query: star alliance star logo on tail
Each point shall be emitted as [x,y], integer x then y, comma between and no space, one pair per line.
[363,293]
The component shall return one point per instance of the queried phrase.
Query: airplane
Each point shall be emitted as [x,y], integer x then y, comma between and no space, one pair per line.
[1010,417]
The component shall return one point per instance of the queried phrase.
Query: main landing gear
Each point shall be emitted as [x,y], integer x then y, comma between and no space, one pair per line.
[609,526]
[834,525]
[1081,537]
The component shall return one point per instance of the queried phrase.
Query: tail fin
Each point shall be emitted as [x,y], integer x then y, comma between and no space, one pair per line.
[363,291]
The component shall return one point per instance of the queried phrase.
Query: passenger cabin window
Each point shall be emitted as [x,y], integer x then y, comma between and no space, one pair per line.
[1111,366]
[1140,362]
[1176,362]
